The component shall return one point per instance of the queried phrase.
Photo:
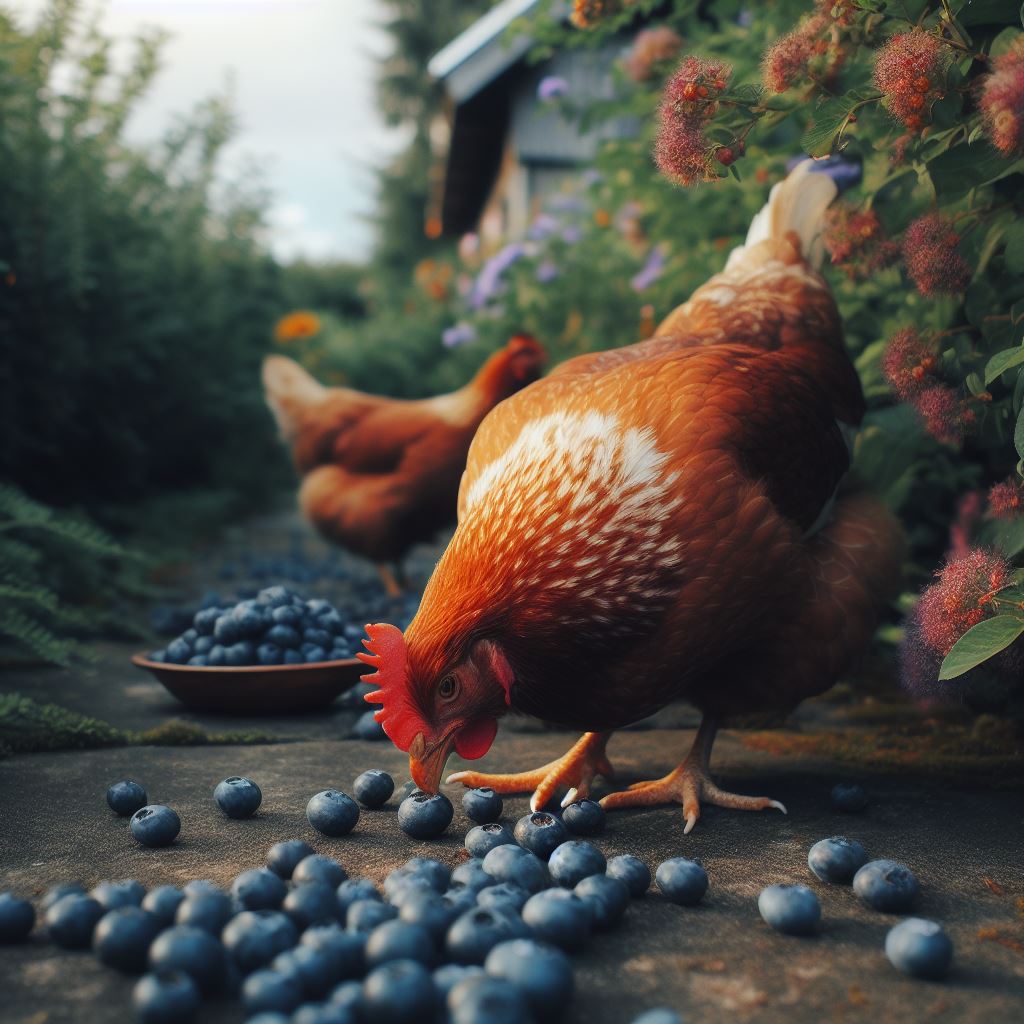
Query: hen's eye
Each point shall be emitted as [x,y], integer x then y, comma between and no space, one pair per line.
[448,688]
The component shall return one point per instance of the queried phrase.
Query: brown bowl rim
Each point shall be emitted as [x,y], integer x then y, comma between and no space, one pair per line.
[142,661]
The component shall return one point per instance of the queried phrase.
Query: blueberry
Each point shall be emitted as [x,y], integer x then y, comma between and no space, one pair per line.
[631,870]
[920,948]
[345,949]
[178,652]
[540,833]
[203,645]
[238,797]
[837,859]
[165,997]
[125,798]
[559,917]
[283,635]
[332,813]
[158,656]
[368,728]
[318,868]
[311,903]
[541,972]
[315,968]
[348,995]
[397,992]
[155,825]
[198,660]
[482,805]
[162,902]
[71,920]
[207,910]
[217,656]
[319,1013]
[269,990]
[402,885]
[373,788]
[682,880]
[16,918]
[112,895]
[365,915]
[481,839]
[399,940]
[319,637]
[198,885]
[287,615]
[439,875]
[886,885]
[292,658]
[250,621]
[423,816]
[353,889]
[584,818]
[58,892]
[205,619]
[192,950]
[274,597]
[659,1015]
[849,798]
[239,654]
[504,895]
[607,899]
[472,876]
[475,933]
[792,909]
[432,912]
[575,860]
[269,654]
[514,864]
[313,655]
[487,1001]
[122,938]
[318,606]
[282,858]
[258,889]
[448,976]
[254,937]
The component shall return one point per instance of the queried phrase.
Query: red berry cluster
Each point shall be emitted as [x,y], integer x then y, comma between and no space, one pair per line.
[1002,100]
[909,363]
[931,257]
[651,47]
[1006,499]
[807,53]
[946,416]
[855,240]
[910,72]
[682,150]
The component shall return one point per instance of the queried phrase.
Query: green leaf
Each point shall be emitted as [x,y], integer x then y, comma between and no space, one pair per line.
[820,134]
[1008,536]
[1014,253]
[980,643]
[988,12]
[963,168]
[1003,361]
[1018,434]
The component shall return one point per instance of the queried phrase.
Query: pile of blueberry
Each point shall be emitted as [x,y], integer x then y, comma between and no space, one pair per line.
[277,627]
[300,942]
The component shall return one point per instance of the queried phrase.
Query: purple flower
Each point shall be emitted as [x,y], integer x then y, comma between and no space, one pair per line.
[551,87]
[489,281]
[592,176]
[572,234]
[547,271]
[651,270]
[567,204]
[543,225]
[458,334]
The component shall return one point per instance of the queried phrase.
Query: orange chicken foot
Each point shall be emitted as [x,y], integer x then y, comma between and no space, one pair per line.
[689,784]
[575,770]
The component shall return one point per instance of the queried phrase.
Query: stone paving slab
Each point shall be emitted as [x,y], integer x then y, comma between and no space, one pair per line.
[716,962]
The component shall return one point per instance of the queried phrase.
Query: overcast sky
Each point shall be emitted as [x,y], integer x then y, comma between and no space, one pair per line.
[301,74]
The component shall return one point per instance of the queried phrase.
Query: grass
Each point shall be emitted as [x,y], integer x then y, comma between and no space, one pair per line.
[26,726]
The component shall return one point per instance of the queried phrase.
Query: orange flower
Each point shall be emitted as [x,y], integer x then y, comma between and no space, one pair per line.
[602,218]
[300,324]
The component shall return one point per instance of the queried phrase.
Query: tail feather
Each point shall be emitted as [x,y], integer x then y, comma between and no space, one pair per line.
[289,390]
[797,204]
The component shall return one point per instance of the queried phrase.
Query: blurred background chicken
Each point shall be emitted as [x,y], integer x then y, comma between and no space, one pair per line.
[382,474]
[666,520]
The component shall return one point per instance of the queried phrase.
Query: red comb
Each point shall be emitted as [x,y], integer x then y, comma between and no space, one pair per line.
[387,654]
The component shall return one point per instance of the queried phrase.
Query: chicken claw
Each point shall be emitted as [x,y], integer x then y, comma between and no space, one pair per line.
[575,769]
[689,784]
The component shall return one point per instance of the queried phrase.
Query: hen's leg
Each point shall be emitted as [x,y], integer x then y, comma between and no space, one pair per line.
[574,770]
[689,784]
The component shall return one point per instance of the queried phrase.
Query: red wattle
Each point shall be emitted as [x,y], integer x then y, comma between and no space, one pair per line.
[474,740]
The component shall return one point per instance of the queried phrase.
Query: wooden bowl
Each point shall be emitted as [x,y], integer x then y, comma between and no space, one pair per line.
[256,689]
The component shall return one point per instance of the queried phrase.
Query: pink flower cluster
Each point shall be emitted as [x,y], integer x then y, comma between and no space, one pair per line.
[931,257]
[1002,100]
[802,54]
[855,240]
[682,150]
[910,71]
[651,47]
[1006,499]
[961,598]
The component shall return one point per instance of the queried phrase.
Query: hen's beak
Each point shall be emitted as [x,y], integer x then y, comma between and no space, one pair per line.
[426,763]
